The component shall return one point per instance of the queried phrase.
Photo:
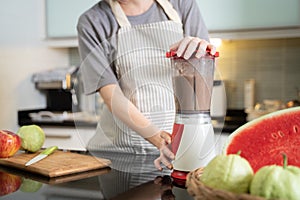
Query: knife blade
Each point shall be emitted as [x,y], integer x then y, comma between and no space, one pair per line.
[42,155]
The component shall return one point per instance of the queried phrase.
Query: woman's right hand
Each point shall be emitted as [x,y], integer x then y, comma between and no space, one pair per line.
[188,45]
[166,155]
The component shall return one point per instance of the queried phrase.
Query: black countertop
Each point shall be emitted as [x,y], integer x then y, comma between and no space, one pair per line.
[234,118]
[129,177]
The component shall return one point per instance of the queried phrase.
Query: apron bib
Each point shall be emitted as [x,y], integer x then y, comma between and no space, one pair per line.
[145,77]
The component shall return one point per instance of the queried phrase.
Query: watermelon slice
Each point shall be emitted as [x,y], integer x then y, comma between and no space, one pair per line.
[263,140]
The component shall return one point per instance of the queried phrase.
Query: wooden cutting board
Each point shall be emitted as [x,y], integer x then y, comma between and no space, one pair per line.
[57,164]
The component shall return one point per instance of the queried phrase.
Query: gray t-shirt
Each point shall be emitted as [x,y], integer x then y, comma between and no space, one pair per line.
[97,29]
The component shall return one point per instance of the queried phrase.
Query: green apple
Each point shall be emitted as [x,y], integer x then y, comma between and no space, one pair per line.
[33,137]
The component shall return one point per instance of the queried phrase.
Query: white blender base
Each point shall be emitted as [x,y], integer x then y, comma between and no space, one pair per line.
[196,148]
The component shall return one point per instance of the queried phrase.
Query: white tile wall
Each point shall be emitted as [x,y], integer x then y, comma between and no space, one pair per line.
[274,64]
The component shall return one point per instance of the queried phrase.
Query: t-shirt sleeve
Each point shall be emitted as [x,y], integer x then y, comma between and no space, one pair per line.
[193,23]
[95,68]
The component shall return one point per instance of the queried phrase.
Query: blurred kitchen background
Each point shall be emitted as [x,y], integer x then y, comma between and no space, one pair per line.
[259,44]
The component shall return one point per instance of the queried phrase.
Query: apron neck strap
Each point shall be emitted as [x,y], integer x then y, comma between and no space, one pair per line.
[119,13]
[123,20]
[169,10]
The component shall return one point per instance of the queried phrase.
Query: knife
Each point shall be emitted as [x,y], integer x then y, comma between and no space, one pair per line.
[42,155]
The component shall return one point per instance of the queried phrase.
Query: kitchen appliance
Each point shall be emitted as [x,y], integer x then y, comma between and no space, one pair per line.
[193,134]
[59,87]
[249,94]
[70,117]
[218,100]
[65,98]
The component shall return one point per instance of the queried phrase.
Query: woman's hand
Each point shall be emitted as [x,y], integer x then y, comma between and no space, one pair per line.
[166,155]
[187,46]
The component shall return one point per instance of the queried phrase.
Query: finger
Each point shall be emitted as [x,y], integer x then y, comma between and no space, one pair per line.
[162,159]
[166,162]
[157,164]
[166,136]
[212,48]
[191,47]
[167,153]
[183,45]
[202,49]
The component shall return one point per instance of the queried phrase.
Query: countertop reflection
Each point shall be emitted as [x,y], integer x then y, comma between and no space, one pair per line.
[129,177]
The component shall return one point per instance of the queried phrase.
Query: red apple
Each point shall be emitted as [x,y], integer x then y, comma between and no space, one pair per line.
[9,183]
[10,143]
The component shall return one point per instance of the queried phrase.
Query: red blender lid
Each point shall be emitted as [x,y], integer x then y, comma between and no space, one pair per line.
[171,54]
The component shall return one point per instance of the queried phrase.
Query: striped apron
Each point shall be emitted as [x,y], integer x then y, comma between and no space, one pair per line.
[144,75]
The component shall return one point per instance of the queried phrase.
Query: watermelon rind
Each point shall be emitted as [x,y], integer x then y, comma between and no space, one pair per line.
[257,121]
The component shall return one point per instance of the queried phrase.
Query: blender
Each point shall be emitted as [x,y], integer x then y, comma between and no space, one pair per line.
[193,134]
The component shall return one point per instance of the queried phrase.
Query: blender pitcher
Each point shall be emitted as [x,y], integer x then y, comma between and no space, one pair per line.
[193,134]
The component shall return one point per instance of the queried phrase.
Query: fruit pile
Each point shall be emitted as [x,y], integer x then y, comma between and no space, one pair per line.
[29,138]
[261,158]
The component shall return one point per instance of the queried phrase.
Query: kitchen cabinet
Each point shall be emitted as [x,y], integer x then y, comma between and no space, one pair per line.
[230,19]
[62,16]
[265,19]
[222,15]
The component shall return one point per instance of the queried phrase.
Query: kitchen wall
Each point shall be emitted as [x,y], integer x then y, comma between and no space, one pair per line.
[22,53]
[274,64]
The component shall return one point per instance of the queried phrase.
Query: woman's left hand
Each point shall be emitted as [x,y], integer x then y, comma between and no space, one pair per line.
[166,155]
[187,46]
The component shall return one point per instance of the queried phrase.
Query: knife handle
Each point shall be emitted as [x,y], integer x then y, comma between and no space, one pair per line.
[49,150]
